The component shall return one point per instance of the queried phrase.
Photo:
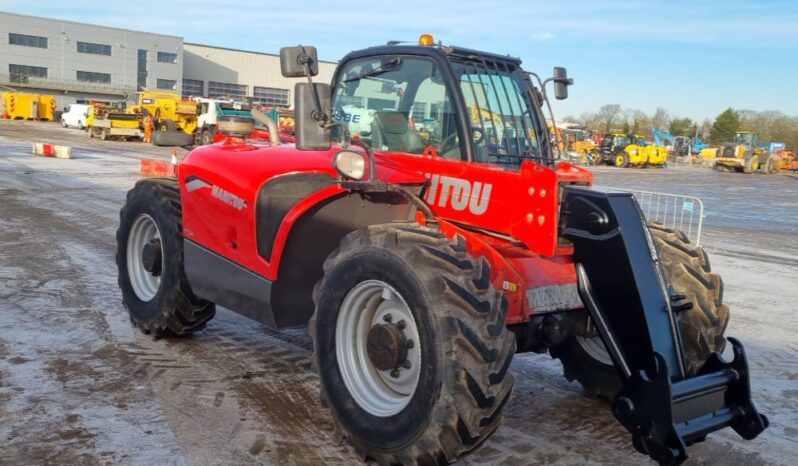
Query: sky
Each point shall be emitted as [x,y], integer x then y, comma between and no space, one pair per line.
[693,58]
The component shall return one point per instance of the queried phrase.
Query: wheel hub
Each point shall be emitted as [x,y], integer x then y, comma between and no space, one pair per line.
[387,346]
[151,257]
[378,348]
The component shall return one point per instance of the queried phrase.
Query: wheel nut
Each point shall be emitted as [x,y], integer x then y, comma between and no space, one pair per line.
[401,324]
[409,344]
[406,364]
[395,373]
[387,318]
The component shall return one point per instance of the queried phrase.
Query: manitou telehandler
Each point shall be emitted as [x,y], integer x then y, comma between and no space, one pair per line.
[422,264]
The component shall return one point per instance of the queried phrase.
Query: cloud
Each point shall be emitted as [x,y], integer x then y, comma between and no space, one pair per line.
[543,36]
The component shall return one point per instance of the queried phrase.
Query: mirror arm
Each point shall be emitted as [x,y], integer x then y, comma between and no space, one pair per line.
[370,155]
[551,114]
[318,114]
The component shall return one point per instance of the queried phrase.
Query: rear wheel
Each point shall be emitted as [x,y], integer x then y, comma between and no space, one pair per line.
[149,258]
[411,345]
[585,359]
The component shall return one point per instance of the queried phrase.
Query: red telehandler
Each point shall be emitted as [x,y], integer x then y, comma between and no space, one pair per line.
[424,248]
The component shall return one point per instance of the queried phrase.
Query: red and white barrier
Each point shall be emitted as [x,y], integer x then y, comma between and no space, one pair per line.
[51,150]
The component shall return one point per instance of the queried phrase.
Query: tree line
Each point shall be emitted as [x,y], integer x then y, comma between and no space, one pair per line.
[771,125]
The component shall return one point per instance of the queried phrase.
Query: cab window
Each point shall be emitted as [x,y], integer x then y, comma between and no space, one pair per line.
[397,104]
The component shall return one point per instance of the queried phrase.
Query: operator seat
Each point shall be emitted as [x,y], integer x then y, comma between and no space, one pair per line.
[390,131]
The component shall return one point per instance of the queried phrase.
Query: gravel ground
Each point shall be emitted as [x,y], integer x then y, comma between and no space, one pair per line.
[79,386]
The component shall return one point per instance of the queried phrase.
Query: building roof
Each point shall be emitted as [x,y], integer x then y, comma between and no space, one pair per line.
[91,25]
[247,51]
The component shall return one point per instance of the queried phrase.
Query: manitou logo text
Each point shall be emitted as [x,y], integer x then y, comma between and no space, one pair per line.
[458,194]
[228,198]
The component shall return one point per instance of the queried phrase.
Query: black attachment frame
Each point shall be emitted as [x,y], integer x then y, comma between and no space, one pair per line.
[623,286]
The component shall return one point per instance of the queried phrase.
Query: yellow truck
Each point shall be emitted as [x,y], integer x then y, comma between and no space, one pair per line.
[20,106]
[119,125]
[169,111]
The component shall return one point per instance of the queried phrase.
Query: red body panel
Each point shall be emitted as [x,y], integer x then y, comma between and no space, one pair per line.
[241,169]
[521,204]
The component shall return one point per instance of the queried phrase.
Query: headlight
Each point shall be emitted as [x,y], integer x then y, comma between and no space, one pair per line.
[350,164]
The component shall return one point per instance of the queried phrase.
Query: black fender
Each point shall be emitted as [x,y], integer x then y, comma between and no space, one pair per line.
[312,233]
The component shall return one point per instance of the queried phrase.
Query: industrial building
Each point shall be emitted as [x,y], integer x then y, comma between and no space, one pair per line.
[78,62]
[216,71]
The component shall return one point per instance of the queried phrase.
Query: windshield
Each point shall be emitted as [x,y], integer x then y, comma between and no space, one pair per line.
[401,103]
[747,139]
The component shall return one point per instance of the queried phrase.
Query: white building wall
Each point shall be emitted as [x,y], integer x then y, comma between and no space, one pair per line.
[207,63]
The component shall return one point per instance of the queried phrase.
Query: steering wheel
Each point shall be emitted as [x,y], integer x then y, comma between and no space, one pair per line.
[448,140]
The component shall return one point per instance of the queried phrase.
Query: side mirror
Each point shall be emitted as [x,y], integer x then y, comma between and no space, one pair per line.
[561,83]
[299,61]
[310,132]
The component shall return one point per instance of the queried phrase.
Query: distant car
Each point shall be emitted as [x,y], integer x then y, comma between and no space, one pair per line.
[75,116]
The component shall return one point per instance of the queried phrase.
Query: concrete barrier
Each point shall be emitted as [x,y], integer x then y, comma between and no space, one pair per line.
[51,150]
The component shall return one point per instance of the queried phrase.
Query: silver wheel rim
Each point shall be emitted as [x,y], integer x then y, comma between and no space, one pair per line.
[595,348]
[145,284]
[376,392]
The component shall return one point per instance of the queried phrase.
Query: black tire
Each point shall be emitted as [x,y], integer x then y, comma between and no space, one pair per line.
[721,168]
[621,159]
[206,137]
[171,139]
[466,348]
[173,310]
[688,271]
[167,126]
[751,164]
[63,123]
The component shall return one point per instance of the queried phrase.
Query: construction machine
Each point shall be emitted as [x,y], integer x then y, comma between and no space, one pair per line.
[422,265]
[629,150]
[169,111]
[210,110]
[744,155]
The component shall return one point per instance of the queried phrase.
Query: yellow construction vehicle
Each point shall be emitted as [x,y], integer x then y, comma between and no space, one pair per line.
[20,106]
[743,155]
[629,150]
[169,111]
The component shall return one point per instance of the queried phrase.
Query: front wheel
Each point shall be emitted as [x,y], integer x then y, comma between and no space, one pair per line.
[586,360]
[205,137]
[411,345]
[149,258]
[621,160]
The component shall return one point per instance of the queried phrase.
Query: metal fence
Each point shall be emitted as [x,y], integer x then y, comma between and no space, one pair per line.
[684,213]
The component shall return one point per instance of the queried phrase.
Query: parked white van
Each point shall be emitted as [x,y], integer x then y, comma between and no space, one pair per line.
[75,115]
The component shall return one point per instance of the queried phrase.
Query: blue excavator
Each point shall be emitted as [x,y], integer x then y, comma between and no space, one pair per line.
[682,146]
